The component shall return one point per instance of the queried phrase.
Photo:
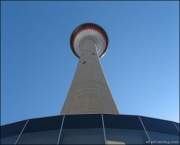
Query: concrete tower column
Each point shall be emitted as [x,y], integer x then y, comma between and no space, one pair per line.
[89,91]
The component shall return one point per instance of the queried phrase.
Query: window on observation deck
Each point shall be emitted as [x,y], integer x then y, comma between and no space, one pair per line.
[82,129]
[177,125]
[41,131]
[11,132]
[161,130]
[124,129]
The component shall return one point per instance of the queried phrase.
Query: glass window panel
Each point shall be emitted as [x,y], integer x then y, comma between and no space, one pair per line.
[82,129]
[163,138]
[9,140]
[122,122]
[125,136]
[10,132]
[177,124]
[44,137]
[82,121]
[41,131]
[158,125]
[43,124]
[82,136]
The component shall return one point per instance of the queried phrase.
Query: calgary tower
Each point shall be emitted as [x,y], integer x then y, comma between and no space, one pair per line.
[89,92]
[89,114]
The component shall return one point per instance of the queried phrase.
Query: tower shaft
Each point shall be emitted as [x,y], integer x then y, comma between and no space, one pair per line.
[89,91]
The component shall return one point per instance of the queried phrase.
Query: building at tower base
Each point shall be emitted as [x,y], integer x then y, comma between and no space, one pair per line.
[91,129]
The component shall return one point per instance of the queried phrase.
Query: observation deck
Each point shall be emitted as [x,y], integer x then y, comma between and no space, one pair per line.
[89,31]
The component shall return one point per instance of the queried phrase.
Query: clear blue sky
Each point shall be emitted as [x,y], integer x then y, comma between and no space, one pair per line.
[141,64]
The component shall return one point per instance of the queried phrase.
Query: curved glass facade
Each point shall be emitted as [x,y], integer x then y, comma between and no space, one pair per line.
[91,129]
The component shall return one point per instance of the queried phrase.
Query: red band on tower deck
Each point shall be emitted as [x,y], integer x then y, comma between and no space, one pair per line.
[97,32]
[90,28]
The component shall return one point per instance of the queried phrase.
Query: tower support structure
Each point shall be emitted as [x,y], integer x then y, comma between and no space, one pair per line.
[89,92]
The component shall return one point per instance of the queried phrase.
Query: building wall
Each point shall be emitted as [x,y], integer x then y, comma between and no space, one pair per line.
[91,129]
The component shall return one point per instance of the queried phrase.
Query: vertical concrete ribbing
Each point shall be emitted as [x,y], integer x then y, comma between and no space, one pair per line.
[89,92]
